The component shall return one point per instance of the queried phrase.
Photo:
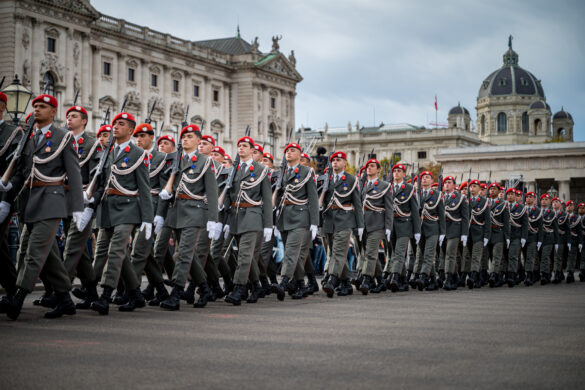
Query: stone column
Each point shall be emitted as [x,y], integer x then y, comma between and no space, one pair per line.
[121,79]
[37,46]
[96,73]
[564,189]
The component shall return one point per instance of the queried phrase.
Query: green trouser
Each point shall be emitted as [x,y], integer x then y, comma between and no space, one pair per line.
[294,243]
[531,257]
[114,242]
[396,263]
[218,248]
[497,253]
[582,264]
[141,252]
[559,256]
[267,259]
[7,269]
[572,257]
[39,252]
[76,254]
[306,261]
[441,257]
[451,254]
[425,255]
[412,254]
[247,243]
[161,245]
[188,247]
[484,259]
[372,240]
[339,245]
[327,247]
[204,257]
[547,251]
[472,257]
[256,269]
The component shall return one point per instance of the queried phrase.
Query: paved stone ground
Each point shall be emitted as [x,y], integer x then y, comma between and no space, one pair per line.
[488,338]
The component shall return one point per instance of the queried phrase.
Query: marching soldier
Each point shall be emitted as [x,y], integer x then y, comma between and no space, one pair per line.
[457,227]
[249,205]
[47,159]
[266,263]
[378,206]
[574,240]
[406,225]
[563,225]
[342,213]
[297,213]
[307,263]
[581,209]
[479,232]
[518,235]
[550,238]
[500,235]
[194,205]
[123,201]
[535,237]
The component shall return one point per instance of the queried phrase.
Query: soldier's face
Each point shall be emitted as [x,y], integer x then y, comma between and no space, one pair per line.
[581,210]
[144,140]
[338,164]
[245,150]
[189,141]
[44,113]
[257,156]
[570,208]
[449,185]
[292,155]
[511,197]
[501,195]
[398,174]
[305,162]
[267,162]
[426,181]
[217,157]
[530,200]
[205,147]
[2,108]
[474,189]
[519,198]
[493,192]
[372,170]
[103,138]
[556,205]
[483,191]
[75,121]
[166,146]
[545,202]
[123,129]
[228,163]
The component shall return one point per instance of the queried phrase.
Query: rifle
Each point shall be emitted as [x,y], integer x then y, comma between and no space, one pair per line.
[162,126]
[282,172]
[76,96]
[177,161]
[391,176]
[2,82]
[419,187]
[440,180]
[468,180]
[148,120]
[326,182]
[490,178]
[230,180]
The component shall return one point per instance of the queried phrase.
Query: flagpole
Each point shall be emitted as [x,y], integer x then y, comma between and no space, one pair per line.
[436,111]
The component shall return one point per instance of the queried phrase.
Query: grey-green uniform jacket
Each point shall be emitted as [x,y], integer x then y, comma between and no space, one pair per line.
[158,175]
[456,214]
[574,230]
[126,172]
[88,155]
[297,201]
[500,216]
[250,185]
[53,159]
[480,226]
[406,213]
[535,231]
[195,181]
[518,221]
[343,205]
[550,227]
[378,205]
[9,138]
[563,223]
[433,214]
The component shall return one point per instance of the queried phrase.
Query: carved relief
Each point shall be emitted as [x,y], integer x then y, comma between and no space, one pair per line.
[49,63]
[26,73]
[25,39]
[76,51]
[133,101]
[177,111]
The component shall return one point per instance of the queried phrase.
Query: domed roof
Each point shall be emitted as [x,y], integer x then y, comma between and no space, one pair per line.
[458,110]
[539,104]
[562,115]
[511,79]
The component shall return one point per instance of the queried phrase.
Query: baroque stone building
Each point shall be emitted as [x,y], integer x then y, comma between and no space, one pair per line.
[229,83]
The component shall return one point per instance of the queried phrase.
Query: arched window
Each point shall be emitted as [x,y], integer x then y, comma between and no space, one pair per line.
[502,123]
[525,122]
[561,134]
[482,125]
[537,126]
[49,80]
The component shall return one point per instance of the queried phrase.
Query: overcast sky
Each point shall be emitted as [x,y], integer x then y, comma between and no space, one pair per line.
[391,57]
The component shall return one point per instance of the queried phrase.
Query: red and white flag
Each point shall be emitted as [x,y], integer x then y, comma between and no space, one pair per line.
[436,105]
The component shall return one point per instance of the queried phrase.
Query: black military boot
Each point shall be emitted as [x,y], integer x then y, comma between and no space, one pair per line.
[528,280]
[378,286]
[5,303]
[15,304]
[300,293]
[135,300]
[189,294]
[357,280]
[161,295]
[544,279]
[462,279]
[217,290]
[562,275]
[102,304]
[173,302]
[204,294]
[501,279]
[280,289]
[366,285]
[394,283]
[422,281]
[64,306]
[346,288]
[483,277]
[449,283]
[329,287]
[79,292]
[48,299]
[148,292]
[472,280]
[493,279]
[266,290]
[557,278]
[325,279]
[433,284]
[511,279]
[403,286]
[90,296]
[256,290]
[520,276]
[535,276]
[582,275]
[120,297]
[441,279]
[237,294]
[570,277]
[413,279]
[312,284]
[228,285]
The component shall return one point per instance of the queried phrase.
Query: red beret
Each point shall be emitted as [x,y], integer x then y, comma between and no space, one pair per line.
[545,195]
[246,139]
[305,155]
[190,129]
[373,160]
[227,156]
[124,115]
[338,154]
[76,108]
[449,178]
[556,198]
[362,169]
[143,128]
[513,190]
[166,137]
[292,145]
[3,97]
[463,185]
[48,99]
[408,181]
[426,173]
[107,128]
[399,166]
[476,182]
[494,185]
[259,148]
[530,193]
[220,150]
[483,185]
[581,205]
[569,202]
[209,139]
[435,185]
[268,155]
[518,192]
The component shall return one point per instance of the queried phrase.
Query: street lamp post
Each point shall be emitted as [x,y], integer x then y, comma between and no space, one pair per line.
[18,97]
[553,192]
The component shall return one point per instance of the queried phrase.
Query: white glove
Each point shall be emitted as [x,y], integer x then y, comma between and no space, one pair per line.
[85,218]
[388,234]
[464,240]
[507,242]
[86,201]
[556,247]
[569,245]
[267,234]
[360,233]
[276,232]
[147,227]
[217,231]
[441,238]
[4,210]
[5,188]
[77,219]
[580,247]
[158,224]
[164,195]
[226,230]
[417,237]
[210,229]
[314,231]
[538,245]
[523,242]
[485,241]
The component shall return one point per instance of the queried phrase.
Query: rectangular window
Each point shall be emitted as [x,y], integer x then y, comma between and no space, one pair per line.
[216,95]
[107,68]
[130,74]
[422,155]
[397,157]
[175,85]
[51,45]
[272,102]
[154,80]
[196,91]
